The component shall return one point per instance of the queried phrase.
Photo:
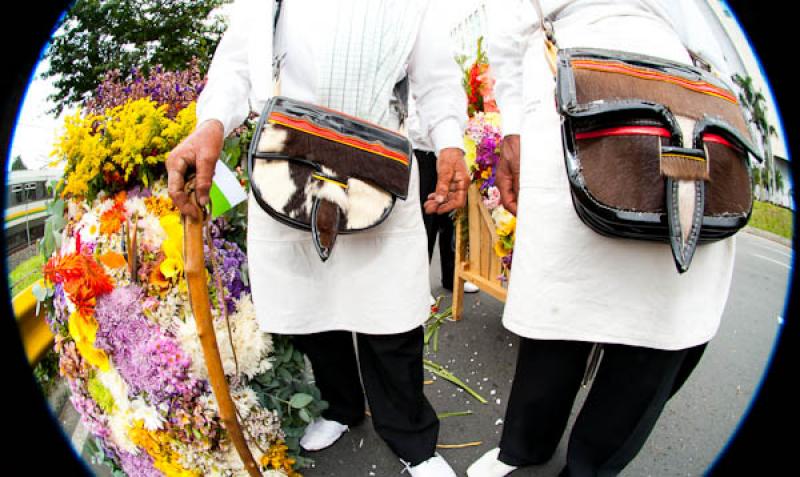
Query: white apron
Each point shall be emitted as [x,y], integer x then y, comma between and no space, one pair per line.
[570,283]
[376,281]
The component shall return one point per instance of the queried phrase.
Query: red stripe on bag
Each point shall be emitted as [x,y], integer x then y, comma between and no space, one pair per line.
[716,139]
[625,131]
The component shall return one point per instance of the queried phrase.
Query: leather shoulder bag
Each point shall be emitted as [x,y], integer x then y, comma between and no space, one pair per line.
[654,149]
[321,170]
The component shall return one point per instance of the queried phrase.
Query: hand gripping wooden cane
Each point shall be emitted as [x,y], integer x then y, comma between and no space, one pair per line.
[195,270]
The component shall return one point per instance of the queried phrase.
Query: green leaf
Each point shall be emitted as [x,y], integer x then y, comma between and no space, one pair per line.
[300,400]
[304,415]
[48,243]
[285,375]
[39,292]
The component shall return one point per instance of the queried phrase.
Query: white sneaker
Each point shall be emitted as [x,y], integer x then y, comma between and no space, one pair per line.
[321,433]
[436,466]
[433,300]
[489,465]
[470,287]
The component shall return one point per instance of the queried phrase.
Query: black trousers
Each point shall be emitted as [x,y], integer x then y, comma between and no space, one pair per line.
[628,394]
[392,373]
[435,224]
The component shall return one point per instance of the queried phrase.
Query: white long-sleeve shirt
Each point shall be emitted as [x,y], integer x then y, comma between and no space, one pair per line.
[240,76]
[567,281]
[512,23]
[376,281]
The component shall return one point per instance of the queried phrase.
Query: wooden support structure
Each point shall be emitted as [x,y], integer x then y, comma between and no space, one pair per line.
[475,258]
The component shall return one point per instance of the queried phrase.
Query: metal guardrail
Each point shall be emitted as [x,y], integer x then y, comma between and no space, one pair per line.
[36,335]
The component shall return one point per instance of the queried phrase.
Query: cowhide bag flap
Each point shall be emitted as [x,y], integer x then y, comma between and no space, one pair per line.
[654,150]
[320,170]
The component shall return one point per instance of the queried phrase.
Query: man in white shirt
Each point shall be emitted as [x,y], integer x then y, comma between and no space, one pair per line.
[571,287]
[347,56]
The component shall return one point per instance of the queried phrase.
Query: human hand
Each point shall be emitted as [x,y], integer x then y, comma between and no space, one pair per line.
[200,150]
[451,186]
[507,175]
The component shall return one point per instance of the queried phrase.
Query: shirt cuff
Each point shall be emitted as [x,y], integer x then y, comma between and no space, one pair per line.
[511,117]
[446,134]
[220,111]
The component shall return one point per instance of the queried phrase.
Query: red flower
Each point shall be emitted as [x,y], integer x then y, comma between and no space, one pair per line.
[82,277]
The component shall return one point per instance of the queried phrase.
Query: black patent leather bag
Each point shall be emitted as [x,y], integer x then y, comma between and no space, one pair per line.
[654,150]
[320,170]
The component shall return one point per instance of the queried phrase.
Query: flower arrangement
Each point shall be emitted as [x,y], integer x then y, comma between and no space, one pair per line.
[117,302]
[479,84]
[482,142]
[121,147]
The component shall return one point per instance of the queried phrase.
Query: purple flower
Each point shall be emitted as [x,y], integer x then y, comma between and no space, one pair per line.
[147,358]
[140,465]
[91,414]
[229,260]
[58,318]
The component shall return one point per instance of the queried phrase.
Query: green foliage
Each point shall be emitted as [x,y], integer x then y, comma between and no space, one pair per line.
[98,456]
[772,218]
[52,228]
[97,36]
[46,372]
[25,273]
[285,389]
[18,165]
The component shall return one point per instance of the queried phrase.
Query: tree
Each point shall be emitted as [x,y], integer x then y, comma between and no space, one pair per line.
[754,103]
[18,165]
[97,36]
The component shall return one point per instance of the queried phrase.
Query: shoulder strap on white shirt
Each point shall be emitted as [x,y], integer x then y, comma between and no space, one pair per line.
[550,45]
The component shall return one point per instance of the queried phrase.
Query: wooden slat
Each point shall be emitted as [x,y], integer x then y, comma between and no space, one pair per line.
[474,200]
[493,289]
[458,281]
[486,239]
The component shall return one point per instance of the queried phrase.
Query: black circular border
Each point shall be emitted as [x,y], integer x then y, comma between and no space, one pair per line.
[763,444]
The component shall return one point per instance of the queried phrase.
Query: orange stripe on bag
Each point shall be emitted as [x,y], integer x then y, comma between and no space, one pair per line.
[313,129]
[613,67]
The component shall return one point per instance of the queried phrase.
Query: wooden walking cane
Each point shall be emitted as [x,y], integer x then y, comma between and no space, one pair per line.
[195,270]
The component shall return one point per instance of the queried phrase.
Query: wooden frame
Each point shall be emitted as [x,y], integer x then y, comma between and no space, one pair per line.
[475,258]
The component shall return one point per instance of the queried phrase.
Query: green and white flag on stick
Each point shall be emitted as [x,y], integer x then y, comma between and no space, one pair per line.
[226,191]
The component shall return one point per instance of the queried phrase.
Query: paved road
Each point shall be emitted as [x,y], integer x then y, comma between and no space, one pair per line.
[693,430]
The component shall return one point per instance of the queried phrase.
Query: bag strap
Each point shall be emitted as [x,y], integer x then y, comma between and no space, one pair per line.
[550,44]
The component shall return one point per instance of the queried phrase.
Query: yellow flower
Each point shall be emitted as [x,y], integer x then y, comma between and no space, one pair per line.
[505,222]
[470,152]
[159,205]
[172,266]
[119,145]
[83,330]
[276,458]
[500,249]
[493,118]
[160,446]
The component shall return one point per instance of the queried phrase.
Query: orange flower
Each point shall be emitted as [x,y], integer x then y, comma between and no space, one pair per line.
[157,279]
[112,260]
[111,221]
[83,279]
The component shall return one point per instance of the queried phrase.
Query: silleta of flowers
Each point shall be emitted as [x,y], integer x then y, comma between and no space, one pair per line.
[482,143]
[118,307]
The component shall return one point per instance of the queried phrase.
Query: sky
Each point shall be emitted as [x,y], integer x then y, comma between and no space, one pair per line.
[37,130]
